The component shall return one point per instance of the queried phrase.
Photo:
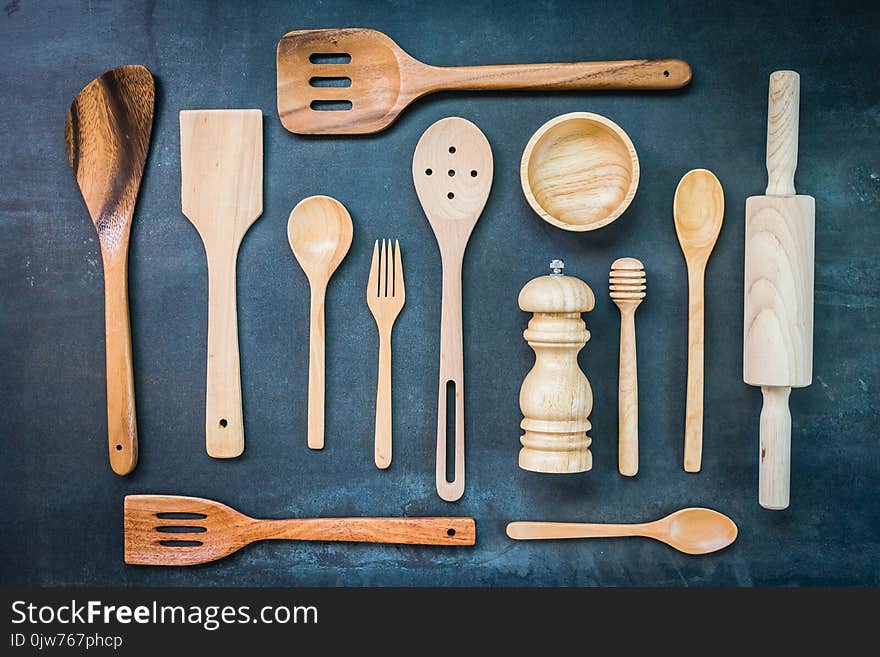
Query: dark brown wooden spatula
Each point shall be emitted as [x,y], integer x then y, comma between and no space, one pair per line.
[378,79]
[108,135]
[169,530]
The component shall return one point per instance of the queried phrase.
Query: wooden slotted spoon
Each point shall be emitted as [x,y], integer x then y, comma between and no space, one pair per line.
[107,134]
[452,172]
[171,530]
[383,79]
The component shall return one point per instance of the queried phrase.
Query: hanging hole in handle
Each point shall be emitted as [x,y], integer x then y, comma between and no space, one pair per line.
[118,447]
[452,149]
[665,74]
[450,531]
[450,196]
[450,432]
[223,422]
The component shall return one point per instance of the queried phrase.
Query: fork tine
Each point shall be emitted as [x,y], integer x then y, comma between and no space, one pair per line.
[399,287]
[383,273]
[373,282]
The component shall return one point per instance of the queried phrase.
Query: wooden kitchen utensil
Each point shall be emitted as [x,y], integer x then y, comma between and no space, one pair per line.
[353,81]
[107,135]
[221,166]
[386,295]
[452,172]
[778,336]
[699,211]
[319,231]
[171,530]
[627,290]
[579,171]
[556,398]
[692,531]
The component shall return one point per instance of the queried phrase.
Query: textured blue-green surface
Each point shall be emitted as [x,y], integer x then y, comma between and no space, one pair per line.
[61,504]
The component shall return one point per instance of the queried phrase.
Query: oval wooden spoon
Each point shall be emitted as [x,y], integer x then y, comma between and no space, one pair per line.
[692,531]
[699,211]
[320,232]
[107,133]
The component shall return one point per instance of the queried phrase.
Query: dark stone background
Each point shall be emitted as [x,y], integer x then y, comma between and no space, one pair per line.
[62,505]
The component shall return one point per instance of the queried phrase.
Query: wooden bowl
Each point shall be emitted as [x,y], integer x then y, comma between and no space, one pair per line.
[579,171]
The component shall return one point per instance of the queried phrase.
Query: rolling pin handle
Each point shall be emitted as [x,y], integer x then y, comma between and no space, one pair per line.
[783,112]
[775,464]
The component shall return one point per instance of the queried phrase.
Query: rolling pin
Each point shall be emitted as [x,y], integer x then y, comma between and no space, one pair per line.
[778,319]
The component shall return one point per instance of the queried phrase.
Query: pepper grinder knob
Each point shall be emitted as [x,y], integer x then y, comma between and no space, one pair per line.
[556,398]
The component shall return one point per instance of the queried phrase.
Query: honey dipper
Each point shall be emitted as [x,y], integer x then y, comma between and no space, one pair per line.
[627,289]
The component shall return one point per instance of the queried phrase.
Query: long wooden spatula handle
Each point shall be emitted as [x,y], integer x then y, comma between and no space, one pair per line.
[121,423]
[401,531]
[224,426]
[628,74]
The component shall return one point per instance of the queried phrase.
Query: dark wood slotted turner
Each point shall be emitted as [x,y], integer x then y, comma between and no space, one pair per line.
[107,134]
[380,79]
[171,530]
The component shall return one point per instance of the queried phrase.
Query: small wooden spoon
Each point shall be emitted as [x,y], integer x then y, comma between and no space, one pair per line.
[107,134]
[320,232]
[699,211]
[692,531]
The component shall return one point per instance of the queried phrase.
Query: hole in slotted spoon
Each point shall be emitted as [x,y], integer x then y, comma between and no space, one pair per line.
[181,529]
[450,431]
[176,543]
[322,81]
[330,58]
[174,515]
[330,105]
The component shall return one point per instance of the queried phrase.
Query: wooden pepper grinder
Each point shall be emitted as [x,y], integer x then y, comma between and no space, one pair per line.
[555,397]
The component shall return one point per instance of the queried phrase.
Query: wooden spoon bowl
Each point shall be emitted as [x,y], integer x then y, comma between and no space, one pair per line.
[579,171]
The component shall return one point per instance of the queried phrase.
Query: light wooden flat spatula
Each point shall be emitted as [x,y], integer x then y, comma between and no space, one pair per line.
[221,163]
[170,530]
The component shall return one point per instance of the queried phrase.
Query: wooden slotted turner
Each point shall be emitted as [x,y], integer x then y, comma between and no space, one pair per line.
[452,172]
[383,79]
[171,530]
[107,134]
[221,165]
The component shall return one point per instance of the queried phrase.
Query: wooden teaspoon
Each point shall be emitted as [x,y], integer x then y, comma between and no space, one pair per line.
[699,211]
[107,134]
[692,531]
[320,232]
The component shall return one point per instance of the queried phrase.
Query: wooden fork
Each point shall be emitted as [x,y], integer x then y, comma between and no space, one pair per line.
[385,297]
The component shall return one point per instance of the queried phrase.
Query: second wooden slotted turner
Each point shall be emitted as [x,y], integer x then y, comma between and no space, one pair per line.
[452,172]
[382,79]
[221,163]
[172,530]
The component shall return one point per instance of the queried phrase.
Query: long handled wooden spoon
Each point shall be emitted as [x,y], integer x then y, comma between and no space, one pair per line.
[221,163]
[692,531]
[382,79]
[452,172]
[699,211]
[320,233]
[107,133]
[169,530]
